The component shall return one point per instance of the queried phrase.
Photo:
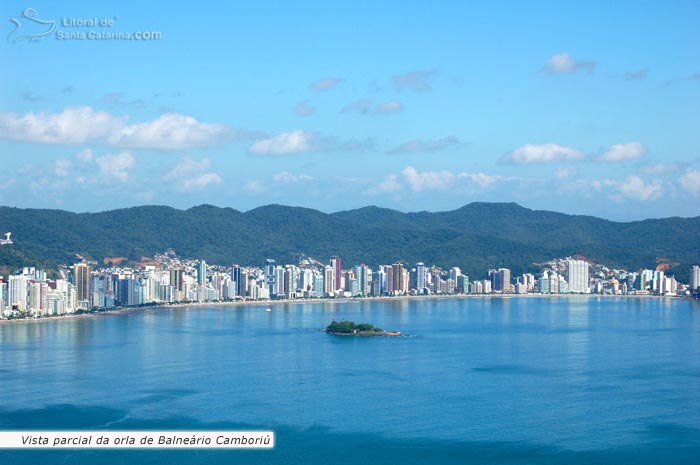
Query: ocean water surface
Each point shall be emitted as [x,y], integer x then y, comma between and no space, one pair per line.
[479,380]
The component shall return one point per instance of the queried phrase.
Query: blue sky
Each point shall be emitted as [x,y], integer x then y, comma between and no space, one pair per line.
[586,108]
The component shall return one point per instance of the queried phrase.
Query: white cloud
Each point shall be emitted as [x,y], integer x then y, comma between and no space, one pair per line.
[115,167]
[84,156]
[297,142]
[186,167]
[483,180]
[543,153]
[7,183]
[255,186]
[26,168]
[284,143]
[287,177]
[368,106]
[434,145]
[325,84]
[362,107]
[304,108]
[46,185]
[416,81]
[201,181]
[690,181]
[170,131]
[389,184]
[190,174]
[61,167]
[659,168]
[565,172]
[75,125]
[587,188]
[631,188]
[391,106]
[428,180]
[624,152]
[79,125]
[635,188]
[563,63]
[441,180]
[82,159]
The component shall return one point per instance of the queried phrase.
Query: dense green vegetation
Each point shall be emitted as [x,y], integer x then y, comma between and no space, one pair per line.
[475,237]
[350,327]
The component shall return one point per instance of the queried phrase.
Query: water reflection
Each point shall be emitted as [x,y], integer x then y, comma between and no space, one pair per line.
[541,369]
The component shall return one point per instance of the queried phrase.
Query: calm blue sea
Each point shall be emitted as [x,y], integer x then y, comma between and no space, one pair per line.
[482,381]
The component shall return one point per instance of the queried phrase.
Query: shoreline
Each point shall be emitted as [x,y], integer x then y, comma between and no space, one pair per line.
[316,300]
[367,334]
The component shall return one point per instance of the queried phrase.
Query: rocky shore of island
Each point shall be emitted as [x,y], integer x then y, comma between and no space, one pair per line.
[350,328]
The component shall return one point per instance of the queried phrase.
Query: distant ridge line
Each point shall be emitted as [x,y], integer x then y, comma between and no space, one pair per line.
[475,237]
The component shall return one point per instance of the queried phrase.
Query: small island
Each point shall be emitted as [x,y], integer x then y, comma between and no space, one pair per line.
[350,328]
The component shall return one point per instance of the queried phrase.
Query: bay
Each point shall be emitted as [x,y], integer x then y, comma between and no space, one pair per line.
[577,379]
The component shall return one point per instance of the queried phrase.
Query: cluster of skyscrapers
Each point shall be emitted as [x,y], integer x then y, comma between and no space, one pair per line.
[29,292]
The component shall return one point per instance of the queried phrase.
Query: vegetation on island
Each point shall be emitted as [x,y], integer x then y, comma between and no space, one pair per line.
[350,327]
[475,237]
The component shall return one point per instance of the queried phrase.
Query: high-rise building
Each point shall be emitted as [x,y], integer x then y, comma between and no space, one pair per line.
[377,279]
[81,280]
[554,283]
[577,276]
[455,273]
[127,292]
[3,295]
[176,279]
[367,274]
[202,272]
[306,280]
[543,282]
[337,264]
[270,276]
[317,287]
[397,276]
[646,280]
[236,279]
[17,293]
[463,284]
[329,281]
[493,277]
[500,280]
[657,281]
[279,281]
[388,279]
[504,280]
[38,296]
[358,273]
[695,278]
[290,281]
[217,282]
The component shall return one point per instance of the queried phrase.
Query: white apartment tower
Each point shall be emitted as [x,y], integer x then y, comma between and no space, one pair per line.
[577,276]
[695,278]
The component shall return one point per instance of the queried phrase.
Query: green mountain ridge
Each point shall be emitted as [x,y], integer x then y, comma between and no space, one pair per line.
[474,237]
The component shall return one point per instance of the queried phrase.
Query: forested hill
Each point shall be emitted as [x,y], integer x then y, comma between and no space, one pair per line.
[475,237]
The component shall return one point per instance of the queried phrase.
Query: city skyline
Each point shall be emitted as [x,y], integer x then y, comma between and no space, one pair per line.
[168,279]
[581,109]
